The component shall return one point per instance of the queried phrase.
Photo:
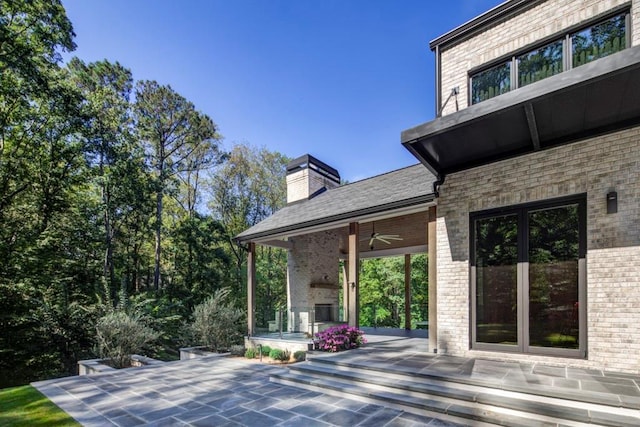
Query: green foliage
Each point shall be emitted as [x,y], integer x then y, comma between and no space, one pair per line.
[237,349]
[251,353]
[278,354]
[119,334]
[26,407]
[382,291]
[217,324]
[300,356]
[265,350]
[101,190]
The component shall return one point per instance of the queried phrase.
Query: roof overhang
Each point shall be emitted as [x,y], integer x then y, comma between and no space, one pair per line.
[277,236]
[600,97]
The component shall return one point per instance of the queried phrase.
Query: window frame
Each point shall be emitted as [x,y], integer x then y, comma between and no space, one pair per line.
[522,285]
[564,35]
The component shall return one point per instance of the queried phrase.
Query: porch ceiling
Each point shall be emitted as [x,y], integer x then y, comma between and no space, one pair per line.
[412,229]
[596,98]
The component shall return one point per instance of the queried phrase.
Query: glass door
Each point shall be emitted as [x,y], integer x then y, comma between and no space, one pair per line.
[528,274]
[553,255]
[496,290]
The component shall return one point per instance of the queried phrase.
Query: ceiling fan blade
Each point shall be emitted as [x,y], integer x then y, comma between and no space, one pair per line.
[384,240]
[371,241]
[390,237]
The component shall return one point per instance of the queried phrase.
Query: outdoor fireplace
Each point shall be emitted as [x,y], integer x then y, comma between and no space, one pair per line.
[325,313]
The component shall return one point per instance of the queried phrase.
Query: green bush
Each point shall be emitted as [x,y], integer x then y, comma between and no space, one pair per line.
[217,324]
[265,350]
[237,350]
[300,355]
[119,335]
[250,353]
[281,355]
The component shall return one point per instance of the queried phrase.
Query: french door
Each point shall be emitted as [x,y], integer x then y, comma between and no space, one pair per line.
[528,274]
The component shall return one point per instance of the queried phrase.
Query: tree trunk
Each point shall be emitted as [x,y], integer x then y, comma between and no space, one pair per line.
[158,248]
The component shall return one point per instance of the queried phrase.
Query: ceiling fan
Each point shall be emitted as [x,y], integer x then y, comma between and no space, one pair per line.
[385,238]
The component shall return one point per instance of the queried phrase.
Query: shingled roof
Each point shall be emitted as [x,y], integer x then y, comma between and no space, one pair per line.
[393,190]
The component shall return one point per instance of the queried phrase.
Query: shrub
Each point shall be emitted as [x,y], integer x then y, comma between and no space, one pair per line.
[217,324]
[281,355]
[237,349]
[300,356]
[265,350]
[119,335]
[250,353]
[338,338]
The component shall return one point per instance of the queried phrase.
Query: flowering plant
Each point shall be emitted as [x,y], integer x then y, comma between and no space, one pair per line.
[338,338]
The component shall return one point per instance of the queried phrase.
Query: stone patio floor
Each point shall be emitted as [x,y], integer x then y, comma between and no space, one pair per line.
[211,391]
[214,391]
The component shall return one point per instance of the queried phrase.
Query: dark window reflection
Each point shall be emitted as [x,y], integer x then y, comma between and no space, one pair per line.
[599,40]
[496,257]
[553,277]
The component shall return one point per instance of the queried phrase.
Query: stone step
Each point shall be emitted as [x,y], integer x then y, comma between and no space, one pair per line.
[459,401]
[582,396]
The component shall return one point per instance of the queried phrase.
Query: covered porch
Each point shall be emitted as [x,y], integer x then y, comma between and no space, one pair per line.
[327,229]
[323,275]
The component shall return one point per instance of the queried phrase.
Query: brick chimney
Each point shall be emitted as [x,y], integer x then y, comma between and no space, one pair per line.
[308,176]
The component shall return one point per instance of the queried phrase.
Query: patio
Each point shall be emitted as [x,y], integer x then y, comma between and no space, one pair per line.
[213,391]
[234,391]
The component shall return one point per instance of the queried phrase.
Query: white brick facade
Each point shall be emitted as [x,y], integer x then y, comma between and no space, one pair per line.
[595,167]
[312,260]
[546,19]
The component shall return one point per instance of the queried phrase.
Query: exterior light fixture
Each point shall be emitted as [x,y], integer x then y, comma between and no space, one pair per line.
[612,202]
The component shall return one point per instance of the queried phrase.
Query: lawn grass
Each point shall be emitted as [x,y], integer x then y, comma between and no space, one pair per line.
[26,407]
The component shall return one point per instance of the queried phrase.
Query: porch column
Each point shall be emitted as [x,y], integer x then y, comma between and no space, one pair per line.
[345,290]
[407,291]
[251,289]
[433,280]
[354,273]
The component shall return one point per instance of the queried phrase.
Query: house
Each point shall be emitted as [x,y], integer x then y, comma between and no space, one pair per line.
[527,198]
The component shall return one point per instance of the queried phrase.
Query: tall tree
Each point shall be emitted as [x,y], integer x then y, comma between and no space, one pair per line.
[247,188]
[174,132]
[106,88]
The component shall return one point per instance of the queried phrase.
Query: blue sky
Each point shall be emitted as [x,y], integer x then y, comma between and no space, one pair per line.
[338,79]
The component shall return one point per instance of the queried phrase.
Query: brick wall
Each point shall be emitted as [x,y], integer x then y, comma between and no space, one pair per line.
[546,19]
[595,167]
[313,259]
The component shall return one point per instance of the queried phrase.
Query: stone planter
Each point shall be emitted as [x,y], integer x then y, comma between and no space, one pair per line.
[98,366]
[200,351]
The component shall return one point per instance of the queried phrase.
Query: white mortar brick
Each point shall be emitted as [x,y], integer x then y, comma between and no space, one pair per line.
[546,19]
[595,167]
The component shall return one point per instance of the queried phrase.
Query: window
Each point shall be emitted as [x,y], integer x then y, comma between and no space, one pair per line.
[492,82]
[528,278]
[569,50]
[540,63]
[599,40]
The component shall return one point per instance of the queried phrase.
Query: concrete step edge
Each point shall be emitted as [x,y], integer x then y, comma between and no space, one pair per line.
[459,412]
[461,398]
[590,397]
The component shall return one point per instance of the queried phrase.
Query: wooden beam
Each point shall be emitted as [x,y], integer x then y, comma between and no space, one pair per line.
[433,280]
[354,275]
[407,291]
[251,289]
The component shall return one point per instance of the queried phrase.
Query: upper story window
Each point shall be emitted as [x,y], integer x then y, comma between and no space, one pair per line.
[599,40]
[492,82]
[540,63]
[568,50]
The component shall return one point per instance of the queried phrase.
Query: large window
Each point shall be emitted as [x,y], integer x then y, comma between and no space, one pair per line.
[491,82]
[540,63]
[599,40]
[528,274]
[568,50]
